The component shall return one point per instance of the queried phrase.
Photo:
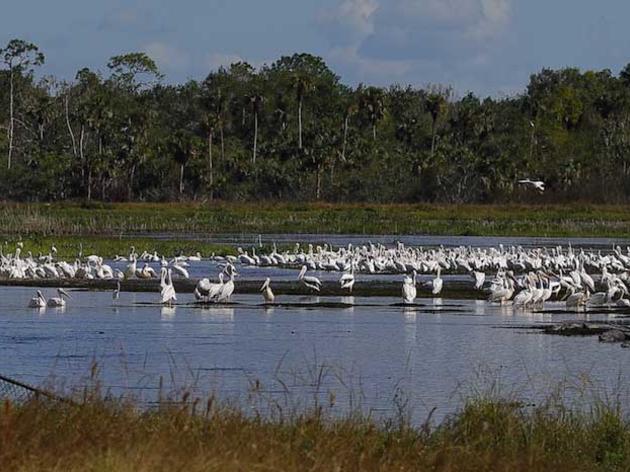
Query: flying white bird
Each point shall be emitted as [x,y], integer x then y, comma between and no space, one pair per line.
[537,184]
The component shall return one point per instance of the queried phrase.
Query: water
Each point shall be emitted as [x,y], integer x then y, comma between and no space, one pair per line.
[371,355]
[390,240]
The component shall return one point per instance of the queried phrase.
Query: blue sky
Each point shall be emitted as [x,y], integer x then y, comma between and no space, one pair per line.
[489,47]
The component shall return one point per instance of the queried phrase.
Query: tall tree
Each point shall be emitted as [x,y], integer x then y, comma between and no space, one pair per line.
[256,102]
[435,105]
[20,57]
[372,103]
[302,84]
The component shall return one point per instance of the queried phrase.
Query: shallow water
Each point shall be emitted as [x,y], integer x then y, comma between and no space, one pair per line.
[336,240]
[372,355]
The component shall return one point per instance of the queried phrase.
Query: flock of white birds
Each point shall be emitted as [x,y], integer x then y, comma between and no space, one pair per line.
[524,277]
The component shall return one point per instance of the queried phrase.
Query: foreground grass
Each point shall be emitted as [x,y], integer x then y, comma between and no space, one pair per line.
[486,435]
[269,217]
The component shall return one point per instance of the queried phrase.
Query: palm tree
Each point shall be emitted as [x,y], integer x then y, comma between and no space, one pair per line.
[181,149]
[302,84]
[256,102]
[350,110]
[209,125]
[372,103]
[435,104]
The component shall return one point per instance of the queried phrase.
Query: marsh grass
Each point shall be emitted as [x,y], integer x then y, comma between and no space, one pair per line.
[272,217]
[492,431]
[485,434]
[68,247]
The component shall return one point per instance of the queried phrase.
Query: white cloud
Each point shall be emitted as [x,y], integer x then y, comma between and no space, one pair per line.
[350,21]
[167,56]
[432,41]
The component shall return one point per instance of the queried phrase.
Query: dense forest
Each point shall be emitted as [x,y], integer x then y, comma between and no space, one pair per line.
[293,131]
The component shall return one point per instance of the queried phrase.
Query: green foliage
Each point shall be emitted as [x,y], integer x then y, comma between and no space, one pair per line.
[292,130]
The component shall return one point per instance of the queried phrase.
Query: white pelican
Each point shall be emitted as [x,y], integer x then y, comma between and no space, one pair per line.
[311,282]
[214,289]
[480,278]
[437,282]
[181,271]
[347,280]
[167,291]
[266,291]
[59,301]
[409,290]
[577,300]
[226,290]
[130,272]
[537,184]
[37,301]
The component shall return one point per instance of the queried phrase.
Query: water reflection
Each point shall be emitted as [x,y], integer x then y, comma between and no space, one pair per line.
[348,301]
[168,312]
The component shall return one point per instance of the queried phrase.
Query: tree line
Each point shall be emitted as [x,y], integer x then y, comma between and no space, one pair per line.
[293,131]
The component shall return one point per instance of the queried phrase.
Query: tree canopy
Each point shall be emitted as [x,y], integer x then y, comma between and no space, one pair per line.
[293,130]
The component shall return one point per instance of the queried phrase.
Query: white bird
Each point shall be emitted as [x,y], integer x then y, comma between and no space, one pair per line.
[167,291]
[437,282]
[226,290]
[266,291]
[537,184]
[347,280]
[116,294]
[37,301]
[59,301]
[480,278]
[130,272]
[311,282]
[214,289]
[181,271]
[409,290]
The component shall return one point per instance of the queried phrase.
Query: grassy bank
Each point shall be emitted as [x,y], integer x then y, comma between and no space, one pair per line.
[68,247]
[485,435]
[263,217]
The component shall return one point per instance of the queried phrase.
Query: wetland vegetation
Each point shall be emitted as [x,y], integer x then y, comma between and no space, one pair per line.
[487,433]
[112,220]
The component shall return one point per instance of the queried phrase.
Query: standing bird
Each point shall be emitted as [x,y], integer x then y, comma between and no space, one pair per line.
[167,291]
[116,294]
[409,290]
[227,288]
[38,301]
[311,282]
[347,280]
[480,278]
[437,282]
[60,301]
[266,291]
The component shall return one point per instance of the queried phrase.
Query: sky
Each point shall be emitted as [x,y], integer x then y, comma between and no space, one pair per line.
[489,47]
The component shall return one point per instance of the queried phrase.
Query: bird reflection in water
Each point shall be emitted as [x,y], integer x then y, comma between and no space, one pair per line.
[168,312]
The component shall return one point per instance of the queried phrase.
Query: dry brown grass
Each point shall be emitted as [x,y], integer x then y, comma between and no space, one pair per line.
[486,435]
